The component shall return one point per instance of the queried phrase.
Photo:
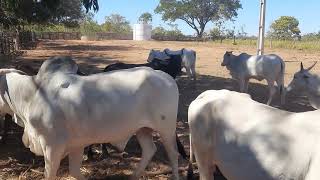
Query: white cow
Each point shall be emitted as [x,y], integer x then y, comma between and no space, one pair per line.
[188,59]
[244,67]
[308,84]
[248,140]
[65,112]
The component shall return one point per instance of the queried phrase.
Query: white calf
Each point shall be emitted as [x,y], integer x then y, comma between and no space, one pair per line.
[243,67]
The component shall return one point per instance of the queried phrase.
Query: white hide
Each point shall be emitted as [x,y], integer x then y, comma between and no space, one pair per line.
[66,112]
[308,84]
[188,60]
[257,142]
[269,67]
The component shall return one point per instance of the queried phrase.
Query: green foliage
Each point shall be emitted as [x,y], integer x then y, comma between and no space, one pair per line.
[216,34]
[278,44]
[197,13]
[21,12]
[16,12]
[311,36]
[90,27]
[117,24]
[90,4]
[160,32]
[145,18]
[69,13]
[285,28]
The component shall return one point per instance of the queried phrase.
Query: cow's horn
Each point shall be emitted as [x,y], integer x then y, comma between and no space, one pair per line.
[309,68]
[301,66]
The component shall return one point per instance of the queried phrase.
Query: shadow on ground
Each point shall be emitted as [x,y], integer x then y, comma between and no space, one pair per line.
[56,45]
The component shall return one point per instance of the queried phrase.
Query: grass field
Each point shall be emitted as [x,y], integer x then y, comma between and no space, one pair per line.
[16,161]
[303,45]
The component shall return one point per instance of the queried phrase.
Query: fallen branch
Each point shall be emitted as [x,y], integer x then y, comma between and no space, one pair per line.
[165,171]
[36,171]
[25,172]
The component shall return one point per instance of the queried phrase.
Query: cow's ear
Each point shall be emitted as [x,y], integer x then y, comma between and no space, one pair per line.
[229,53]
[301,66]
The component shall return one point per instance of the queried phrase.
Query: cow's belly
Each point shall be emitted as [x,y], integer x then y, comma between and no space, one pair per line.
[264,159]
[108,129]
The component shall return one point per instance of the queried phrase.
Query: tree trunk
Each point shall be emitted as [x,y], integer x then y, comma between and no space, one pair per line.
[200,33]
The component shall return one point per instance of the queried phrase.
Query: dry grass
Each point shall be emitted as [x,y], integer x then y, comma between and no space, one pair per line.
[15,160]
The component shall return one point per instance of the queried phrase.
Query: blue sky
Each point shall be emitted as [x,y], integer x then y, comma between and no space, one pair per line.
[307,12]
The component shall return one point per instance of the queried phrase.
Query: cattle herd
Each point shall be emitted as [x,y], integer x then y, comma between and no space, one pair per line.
[63,110]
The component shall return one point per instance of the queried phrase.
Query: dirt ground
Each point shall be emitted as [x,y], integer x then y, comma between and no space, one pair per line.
[16,162]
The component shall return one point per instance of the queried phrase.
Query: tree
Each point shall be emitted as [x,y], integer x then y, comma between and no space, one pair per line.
[161,33]
[116,23]
[20,12]
[284,28]
[311,36]
[145,18]
[88,26]
[68,13]
[198,13]
[219,32]
[90,4]
[241,33]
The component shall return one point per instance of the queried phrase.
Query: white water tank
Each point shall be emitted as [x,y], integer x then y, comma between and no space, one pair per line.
[142,32]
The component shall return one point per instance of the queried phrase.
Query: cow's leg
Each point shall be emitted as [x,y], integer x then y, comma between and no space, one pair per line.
[242,84]
[90,152]
[169,142]
[104,151]
[272,90]
[189,73]
[5,122]
[145,139]
[52,157]
[313,172]
[75,161]
[282,90]
[245,86]
[193,70]
[204,161]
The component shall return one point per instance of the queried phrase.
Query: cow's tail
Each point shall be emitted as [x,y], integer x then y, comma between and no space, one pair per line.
[181,149]
[282,88]
[190,168]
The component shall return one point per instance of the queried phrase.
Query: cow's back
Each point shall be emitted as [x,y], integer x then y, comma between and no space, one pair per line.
[258,142]
[265,65]
[104,103]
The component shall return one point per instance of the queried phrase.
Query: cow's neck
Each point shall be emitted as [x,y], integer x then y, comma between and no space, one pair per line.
[20,89]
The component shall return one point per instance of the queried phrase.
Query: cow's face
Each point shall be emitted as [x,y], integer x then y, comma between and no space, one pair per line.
[226,58]
[301,79]
[156,54]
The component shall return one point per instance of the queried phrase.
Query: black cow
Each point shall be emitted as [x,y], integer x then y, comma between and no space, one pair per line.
[171,66]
